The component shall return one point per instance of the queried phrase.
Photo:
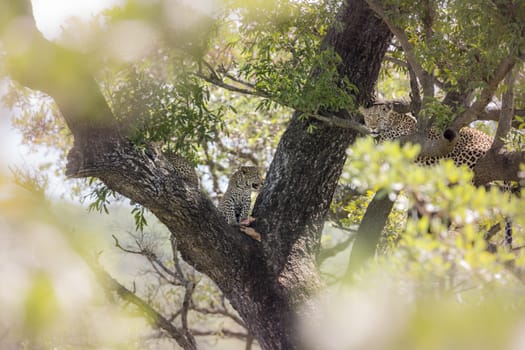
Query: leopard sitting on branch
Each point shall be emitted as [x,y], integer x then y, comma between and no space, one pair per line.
[236,202]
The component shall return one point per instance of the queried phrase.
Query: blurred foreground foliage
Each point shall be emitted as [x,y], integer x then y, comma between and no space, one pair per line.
[53,297]
[434,286]
[48,296]
[441,281]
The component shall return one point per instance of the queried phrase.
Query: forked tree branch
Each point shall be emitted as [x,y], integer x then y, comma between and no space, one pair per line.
[504,67]
[424,77]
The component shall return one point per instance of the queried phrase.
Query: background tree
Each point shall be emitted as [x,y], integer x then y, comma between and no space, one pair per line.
[320,60]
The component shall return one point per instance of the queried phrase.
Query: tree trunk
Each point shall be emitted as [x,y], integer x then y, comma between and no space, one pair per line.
[269,282]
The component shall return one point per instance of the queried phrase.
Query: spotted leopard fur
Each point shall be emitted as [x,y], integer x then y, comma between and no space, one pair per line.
[386,124]
[183,168]
[236,202]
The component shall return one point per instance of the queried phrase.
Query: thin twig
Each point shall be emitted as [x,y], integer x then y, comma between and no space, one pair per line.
[153,260]
[237,80]
[336,249]
[126,250]
[221,83]
[225,332]
[152,315]
[175,257]
[492,231]
[221,312]
[189,289]
[396,61]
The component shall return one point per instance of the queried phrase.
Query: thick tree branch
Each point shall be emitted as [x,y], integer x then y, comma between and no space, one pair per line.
[507,112]
[416,102]
[424,77]
[486,94]
[342,123]
[506,163]
[495,113]
[369,232]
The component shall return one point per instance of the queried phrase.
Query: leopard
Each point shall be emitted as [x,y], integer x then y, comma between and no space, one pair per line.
[386,124]
[174,163]
[183,168]
[236,202]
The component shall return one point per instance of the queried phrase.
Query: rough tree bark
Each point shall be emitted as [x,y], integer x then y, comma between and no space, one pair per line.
[265,282]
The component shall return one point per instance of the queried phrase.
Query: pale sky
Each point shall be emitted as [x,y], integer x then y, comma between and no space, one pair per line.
[50,14]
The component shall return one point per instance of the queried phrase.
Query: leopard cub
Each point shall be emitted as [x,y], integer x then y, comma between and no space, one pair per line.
[235,203]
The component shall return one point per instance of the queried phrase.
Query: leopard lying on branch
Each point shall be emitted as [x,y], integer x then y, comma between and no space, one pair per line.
[386,124]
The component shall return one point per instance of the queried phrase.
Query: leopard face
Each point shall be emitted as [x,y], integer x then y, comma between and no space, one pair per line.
[386,124]
[248,177]
[376,120]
